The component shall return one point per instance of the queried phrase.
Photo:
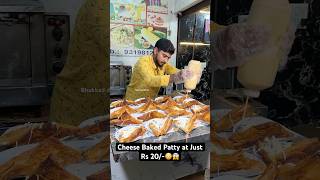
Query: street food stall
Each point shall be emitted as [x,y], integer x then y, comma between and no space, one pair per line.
[245,138]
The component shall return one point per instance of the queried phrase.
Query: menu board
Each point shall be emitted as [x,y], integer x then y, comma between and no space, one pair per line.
[158,6]
[136,25]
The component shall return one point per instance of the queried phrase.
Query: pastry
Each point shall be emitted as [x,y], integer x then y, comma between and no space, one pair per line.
[270,173]
[129,133]
[221,142]
[148,106]
[231,118]
[125,119]
[26,163]
[176,111]
[186,123]
[307,168]
[180,99]
[99,152]
[47,130]
[291,153]
[142,100]
[161,128]
[151,115]
[95,128]
[155,130]
[14,137]
[162,99]
[234,161]
[51,170]
[270,148]
[257,133]
[169,103]
[117,103]
[122,102]
[204,116]
[32,133]
[300,150]
[117,112]
[200,108]
[187,103]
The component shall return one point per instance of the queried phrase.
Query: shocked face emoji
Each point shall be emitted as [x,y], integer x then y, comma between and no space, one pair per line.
[175,156]
[168,156]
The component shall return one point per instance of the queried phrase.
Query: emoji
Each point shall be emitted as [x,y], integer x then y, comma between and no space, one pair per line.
[168,156]
[175,156]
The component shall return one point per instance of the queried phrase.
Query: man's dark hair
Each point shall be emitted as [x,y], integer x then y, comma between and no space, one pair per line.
[165,45]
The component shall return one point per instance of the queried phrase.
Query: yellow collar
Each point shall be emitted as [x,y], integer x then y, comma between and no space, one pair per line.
[154,66]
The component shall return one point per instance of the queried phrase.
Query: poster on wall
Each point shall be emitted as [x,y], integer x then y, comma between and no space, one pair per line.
[128,12]
[121,36]
[156,19]
[157,6]
[136,25]
[146,37]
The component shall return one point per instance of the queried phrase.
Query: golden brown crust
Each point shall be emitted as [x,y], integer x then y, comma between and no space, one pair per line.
[190,103]
[205,116]
[133,135]
[231,118]
[95,128]
[120,103]
[155,130]
[162,99]
[148,106]
[299,151]
[171,102]
[235,161]
[143,100]
[51,170]
[190,124]
[151,115]
[181,99]
[126,119]
[204,108]
[117,103]
[163,130]
[221,142]
[176,111]
[99,152]
[14,137]
[270,173]
[41,131]
[307,168]
[26,163]
[258,133]
[118,113]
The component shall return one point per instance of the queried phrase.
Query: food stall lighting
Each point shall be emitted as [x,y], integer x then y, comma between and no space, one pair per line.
[204,12]
[194,44]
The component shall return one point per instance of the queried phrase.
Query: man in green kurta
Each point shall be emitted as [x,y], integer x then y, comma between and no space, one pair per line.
[81,89]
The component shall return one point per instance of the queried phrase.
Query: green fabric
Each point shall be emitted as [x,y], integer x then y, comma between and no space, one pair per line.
[87,67]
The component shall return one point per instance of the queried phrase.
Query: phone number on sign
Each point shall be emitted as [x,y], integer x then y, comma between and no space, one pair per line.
[130,52]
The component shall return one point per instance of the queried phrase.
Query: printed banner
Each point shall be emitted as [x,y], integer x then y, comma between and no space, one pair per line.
[136,25]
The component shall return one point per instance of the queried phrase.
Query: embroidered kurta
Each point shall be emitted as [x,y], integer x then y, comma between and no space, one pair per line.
[147,78]
[81,89]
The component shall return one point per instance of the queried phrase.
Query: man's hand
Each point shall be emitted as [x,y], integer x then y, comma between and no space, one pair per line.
[180,76]
[234,43]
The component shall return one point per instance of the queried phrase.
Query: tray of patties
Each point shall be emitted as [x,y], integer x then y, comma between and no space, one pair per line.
[163,119]
[246,145]
[51,149]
